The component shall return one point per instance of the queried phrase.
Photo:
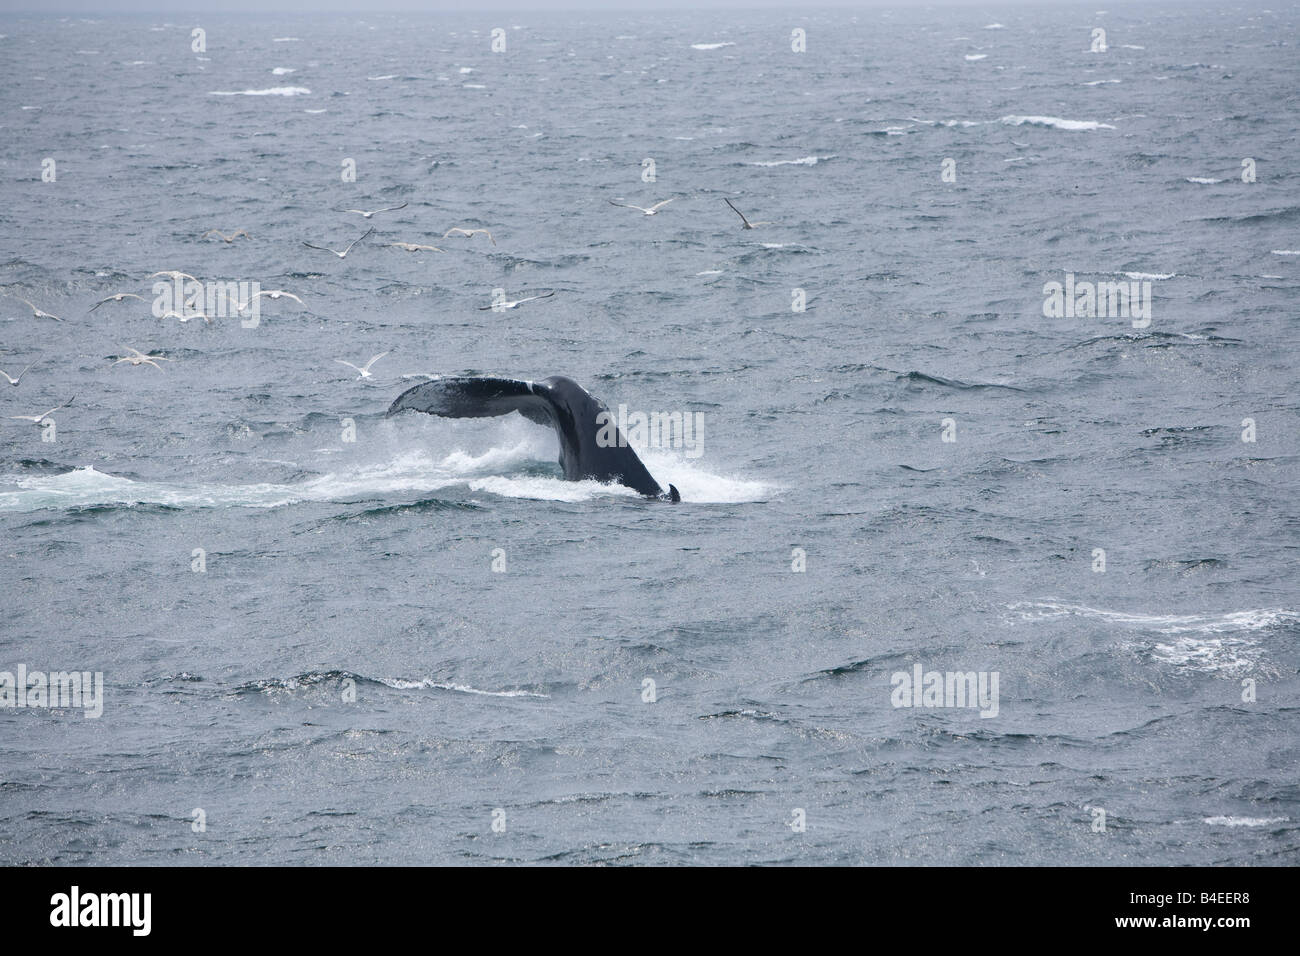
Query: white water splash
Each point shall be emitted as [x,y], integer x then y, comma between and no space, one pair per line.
[520,445]
[1055,122]
[1244,821]
[1197,642]
[802,161]
[271,91]
[398,683]
[1252,620]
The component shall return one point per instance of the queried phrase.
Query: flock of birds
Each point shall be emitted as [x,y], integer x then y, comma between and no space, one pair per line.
[134,357]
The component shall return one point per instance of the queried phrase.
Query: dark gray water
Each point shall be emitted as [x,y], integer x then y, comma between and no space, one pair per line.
[336,569]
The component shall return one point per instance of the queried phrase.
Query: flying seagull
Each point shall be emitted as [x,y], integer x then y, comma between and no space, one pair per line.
[171,314]
[139,358]
[414,247]
[280,294]
[14,381]
[344,253]
[497,306]
[747,223]
[239,306]
[468,233]
[364,370]
[367,215]
[649,212]
[41,313]
[40,418]
[269,293]
[115,297]
[228,238]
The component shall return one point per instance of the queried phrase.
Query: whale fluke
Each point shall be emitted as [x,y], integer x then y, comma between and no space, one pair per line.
[577,417]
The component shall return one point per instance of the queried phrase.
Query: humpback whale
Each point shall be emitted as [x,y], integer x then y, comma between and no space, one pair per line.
[559,402]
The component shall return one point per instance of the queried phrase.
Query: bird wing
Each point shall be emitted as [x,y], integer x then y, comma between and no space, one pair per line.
[55,409]
[736,211]
[358,239]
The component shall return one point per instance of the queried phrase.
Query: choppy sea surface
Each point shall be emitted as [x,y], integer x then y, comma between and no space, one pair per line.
[348,639]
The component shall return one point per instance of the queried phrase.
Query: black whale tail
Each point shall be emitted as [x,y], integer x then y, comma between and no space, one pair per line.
[581,423]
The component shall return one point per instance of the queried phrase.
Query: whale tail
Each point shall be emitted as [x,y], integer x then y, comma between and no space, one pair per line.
[475,398]
[578,419]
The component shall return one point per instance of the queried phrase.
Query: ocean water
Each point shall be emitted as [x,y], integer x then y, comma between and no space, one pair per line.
[347,639]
